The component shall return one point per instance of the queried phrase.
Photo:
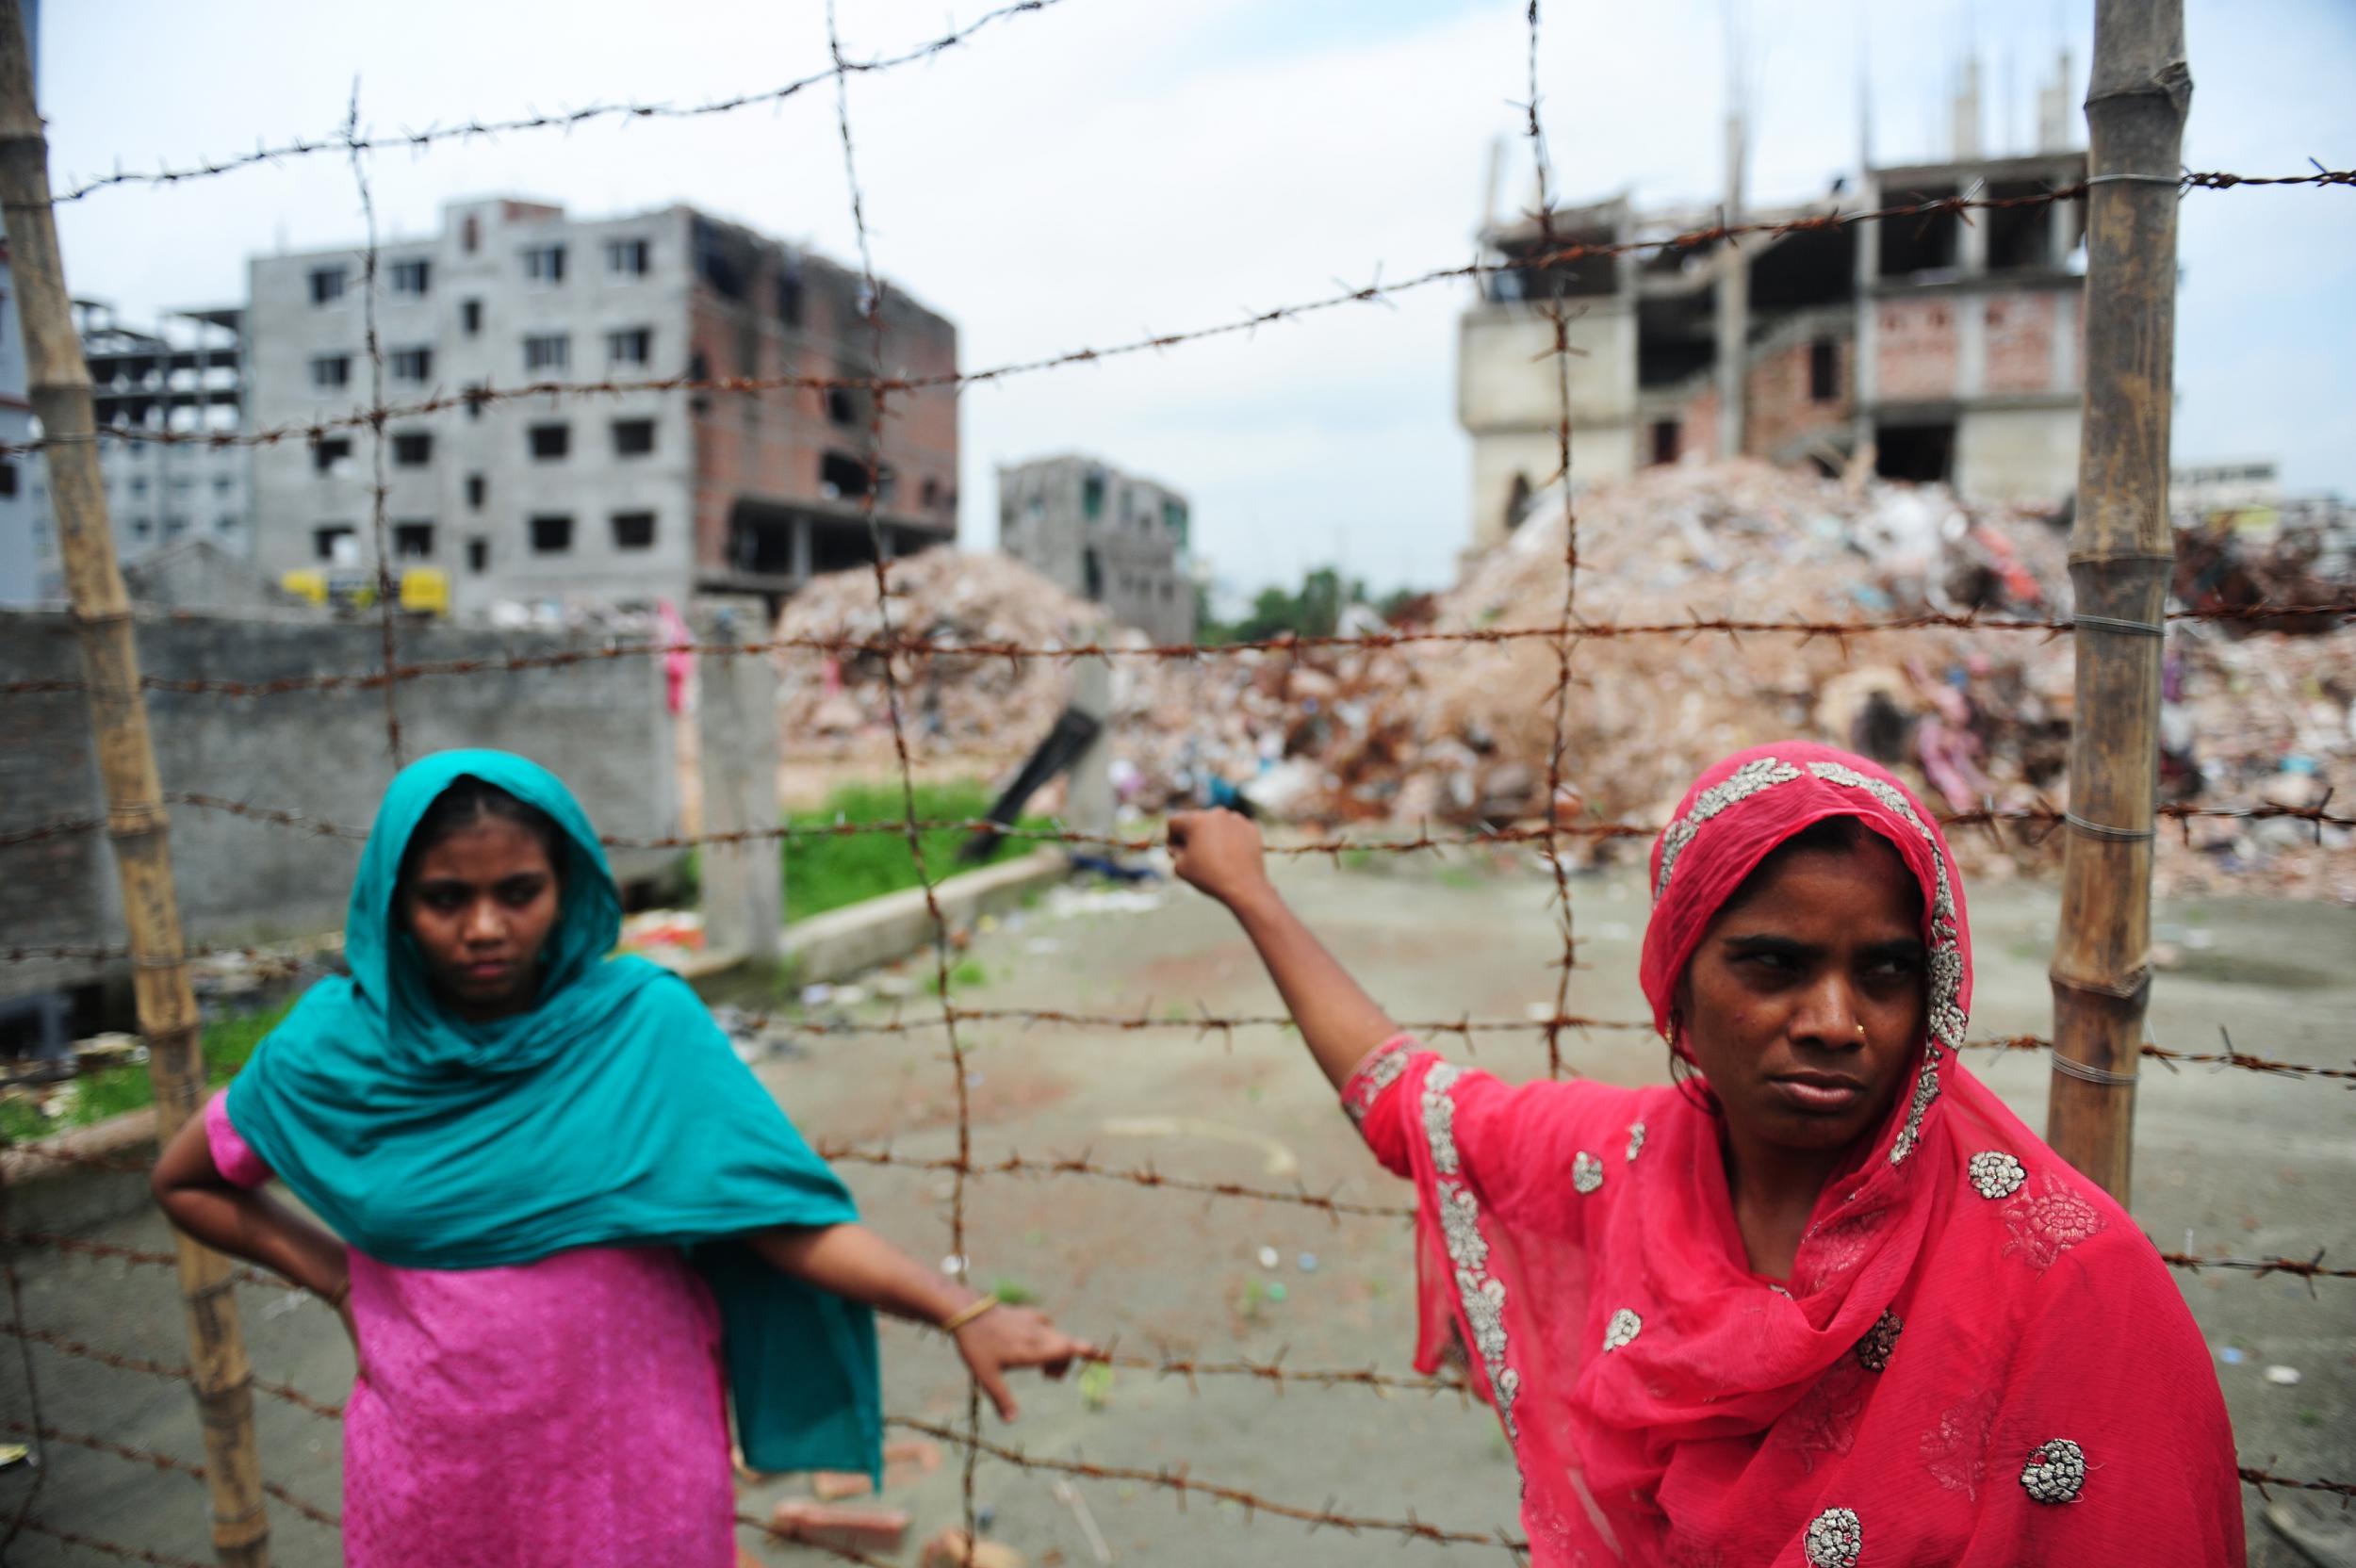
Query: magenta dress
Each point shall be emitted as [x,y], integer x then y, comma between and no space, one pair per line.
[566,1413]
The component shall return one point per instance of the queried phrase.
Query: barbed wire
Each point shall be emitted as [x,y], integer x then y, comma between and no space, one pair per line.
[878,384]
[112,1549]
[67,1346]
[921,646]
[167,1464]
[565,120]
[2264,1478]
[1177,1480]
[2045,816]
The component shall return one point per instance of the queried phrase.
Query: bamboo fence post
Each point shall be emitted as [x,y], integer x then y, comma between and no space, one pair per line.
[2121,555]
[59,388]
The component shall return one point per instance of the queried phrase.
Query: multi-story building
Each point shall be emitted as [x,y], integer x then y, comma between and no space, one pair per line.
[1947,350]
[1104,535]
[624,497]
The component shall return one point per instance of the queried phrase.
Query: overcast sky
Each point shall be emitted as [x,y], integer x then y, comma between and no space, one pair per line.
[1107,168]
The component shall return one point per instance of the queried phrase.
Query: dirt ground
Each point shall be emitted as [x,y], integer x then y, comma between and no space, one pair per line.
[2227,1162]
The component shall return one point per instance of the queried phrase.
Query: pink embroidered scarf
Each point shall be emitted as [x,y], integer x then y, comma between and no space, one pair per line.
[1978,1358]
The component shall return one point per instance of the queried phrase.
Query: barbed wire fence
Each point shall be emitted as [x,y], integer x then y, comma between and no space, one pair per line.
[893,649]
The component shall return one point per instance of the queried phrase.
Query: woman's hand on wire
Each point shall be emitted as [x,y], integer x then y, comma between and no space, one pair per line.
[1005,1337]
[1219,853]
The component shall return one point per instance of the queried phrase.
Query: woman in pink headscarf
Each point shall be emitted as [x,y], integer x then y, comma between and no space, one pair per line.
[1826,1302]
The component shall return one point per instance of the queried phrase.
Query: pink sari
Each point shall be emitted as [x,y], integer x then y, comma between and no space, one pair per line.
[1978,1358]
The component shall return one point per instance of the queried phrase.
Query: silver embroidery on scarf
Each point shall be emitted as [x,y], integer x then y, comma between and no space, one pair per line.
[1586,1172]
[1873,1351]
[2056,1473]
[1483,1296]
[1996,1174]
[1835,1538]
[1374,1075]
[1623,1328]
[1635,1139]
[1758,774]
[2050,1221]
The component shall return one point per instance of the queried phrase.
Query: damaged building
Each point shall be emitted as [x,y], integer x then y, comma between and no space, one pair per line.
[1103,535]
[622,499]
[1935,347]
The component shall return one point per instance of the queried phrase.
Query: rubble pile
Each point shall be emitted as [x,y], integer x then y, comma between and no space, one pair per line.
[1459,732]
[951,703]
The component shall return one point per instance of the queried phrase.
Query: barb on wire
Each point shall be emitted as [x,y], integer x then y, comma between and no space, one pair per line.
[565,120]
[2262,1479]
[913,647]
[879,384]
[168,1464]
[1409,1528]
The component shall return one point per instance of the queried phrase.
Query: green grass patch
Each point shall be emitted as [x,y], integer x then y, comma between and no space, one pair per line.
[968,975]
[828,872]
[228,1042]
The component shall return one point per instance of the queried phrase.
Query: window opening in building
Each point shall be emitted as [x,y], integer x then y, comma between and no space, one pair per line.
[331,369]
[338,544]
[413,448]
[1920,453]
[841,408]
[329,455]
[477,393]
[8,479]
[843,477]
[1666,437]
[1093,572]
[470,317]
[477,487]
[412,364]
[546,352]
[550,441]
[1823,370]
[789,298]
[1092,497]
[412,277]
[222,484]
[470,235]
[477,556]
[630,346]
[634,438]
[633,531]
[138,484]
[626,257]
[413,541]
[140,528]
[1928,244]
[327,285]
[545,264]
[929,496]
[552,535]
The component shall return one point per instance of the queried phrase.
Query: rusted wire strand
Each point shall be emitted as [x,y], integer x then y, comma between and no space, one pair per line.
[378,486]
[1426,842]
[917,645]
[1540,261]
[567,120]
[2262,1479]
[168,1464]
[1177,1480]
[66,1346]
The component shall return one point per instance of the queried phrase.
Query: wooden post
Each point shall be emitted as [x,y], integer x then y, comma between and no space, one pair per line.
[2121,555]
[59,387]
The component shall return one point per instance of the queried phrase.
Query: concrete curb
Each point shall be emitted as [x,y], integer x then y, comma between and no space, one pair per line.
[843,942]
[51,1195]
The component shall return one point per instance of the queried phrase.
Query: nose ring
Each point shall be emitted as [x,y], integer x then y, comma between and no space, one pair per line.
[1860,1030]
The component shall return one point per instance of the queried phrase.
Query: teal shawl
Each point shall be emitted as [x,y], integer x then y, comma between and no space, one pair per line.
[613,1113]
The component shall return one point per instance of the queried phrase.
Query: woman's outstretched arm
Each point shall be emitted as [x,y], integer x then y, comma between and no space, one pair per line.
[853,1262]
[1221,852]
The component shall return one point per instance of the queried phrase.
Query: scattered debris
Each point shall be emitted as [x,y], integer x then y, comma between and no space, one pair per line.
[953,1548]
[1070,1496]
[832,1486]
[2283,1377]
[868,1528]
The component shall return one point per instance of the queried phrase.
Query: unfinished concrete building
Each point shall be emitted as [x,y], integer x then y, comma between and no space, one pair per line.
[1935,347]
[621,499]
[1108,536]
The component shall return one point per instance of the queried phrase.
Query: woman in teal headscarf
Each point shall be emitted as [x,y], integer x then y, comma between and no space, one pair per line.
[556,1207]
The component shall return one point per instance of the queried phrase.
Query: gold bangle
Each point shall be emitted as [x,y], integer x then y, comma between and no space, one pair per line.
[966,1313]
